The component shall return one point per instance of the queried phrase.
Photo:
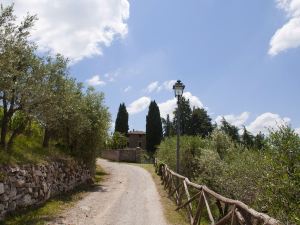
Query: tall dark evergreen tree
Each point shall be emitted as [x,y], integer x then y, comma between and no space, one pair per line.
[200,123]
[231,130]
[122,120]
[185,116]
[259,141]
[154,132]
[247,139]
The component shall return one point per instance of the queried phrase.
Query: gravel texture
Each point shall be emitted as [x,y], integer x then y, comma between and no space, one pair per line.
[127,196]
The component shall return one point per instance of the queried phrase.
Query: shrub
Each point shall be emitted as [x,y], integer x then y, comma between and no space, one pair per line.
[267,179]
[281,196]
[117,141]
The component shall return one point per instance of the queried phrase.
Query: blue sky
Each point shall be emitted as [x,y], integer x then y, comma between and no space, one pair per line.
[238,59]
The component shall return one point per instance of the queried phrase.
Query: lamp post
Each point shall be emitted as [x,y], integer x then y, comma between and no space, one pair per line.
[178,90]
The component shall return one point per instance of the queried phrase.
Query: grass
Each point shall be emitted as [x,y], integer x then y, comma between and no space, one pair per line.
[29,150]
[55,207]
[173,217]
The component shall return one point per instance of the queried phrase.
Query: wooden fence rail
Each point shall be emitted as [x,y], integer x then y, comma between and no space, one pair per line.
[199,202]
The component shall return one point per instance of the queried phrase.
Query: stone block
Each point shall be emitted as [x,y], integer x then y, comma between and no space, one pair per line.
[26,200]
[12,206]
[13,191]
[4,198]
[20,183]
[37,173]
[1,188]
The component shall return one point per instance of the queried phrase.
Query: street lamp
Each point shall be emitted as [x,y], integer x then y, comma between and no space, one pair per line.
[178,90]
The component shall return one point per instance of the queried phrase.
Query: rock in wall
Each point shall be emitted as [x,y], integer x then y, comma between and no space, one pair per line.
[29,185]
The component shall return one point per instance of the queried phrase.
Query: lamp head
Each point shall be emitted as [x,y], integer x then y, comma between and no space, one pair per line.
[178,88]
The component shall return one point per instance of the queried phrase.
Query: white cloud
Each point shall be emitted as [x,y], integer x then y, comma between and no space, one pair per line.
[138,105]
[169,106]
[152,87]
[297,130]
[267,121]
[127,89]
[288,36]
[77,29]
[95,81]
[194,100]
[155,86]
[167,85]
[236,120]
[111,77]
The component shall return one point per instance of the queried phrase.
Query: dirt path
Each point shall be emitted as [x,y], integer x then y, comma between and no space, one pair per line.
[127,197]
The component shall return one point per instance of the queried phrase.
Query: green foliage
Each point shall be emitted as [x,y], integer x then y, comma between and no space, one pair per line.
[231,130]
[192,122]
[220,142]
[190,150]
[1,114]
[247,139]
[38,96]
[281,189]
[86,127]
[122,120]
[154,132]
[259,141]
[27,149]
[200,123]
[266,179]
[168,128]
[185,116]
[117,141]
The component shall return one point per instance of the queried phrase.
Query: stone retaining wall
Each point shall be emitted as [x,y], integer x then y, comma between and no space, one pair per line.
[29,185]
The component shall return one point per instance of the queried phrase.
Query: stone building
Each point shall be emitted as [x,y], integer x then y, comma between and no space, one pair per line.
[136,139]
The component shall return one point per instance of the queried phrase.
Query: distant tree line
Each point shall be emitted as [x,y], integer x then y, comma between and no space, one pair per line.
[38,90]
[193,122]
[196,122]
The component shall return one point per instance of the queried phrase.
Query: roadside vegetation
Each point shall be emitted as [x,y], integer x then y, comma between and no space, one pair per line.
[261,171]
[43,111]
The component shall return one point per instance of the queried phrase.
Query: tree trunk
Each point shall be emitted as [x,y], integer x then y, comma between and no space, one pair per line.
[4,128]
[14,134]
[11,140]
[46,138]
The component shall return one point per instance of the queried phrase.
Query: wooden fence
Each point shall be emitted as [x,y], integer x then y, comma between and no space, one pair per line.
[200,203]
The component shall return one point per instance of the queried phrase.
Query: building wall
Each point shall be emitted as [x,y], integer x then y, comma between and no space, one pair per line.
[113,155]
[137,140]
[123,155]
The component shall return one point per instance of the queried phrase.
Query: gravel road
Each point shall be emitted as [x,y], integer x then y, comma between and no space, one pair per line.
[128,196]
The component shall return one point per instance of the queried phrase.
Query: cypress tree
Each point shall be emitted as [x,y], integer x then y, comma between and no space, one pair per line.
[121,125]
[154,133]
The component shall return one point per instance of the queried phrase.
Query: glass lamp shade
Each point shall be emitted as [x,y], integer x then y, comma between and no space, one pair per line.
[178,92]
[178,88]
